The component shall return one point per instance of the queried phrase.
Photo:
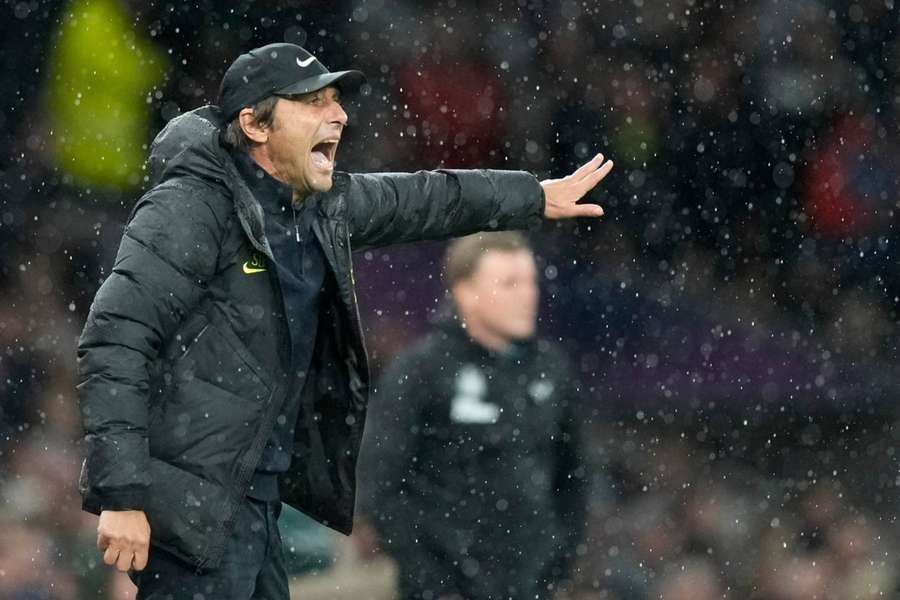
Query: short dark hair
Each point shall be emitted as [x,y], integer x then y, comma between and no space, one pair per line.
[464,254]
[263,114]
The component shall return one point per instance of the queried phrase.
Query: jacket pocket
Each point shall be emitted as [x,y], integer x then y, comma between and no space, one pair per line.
[187,336]
[239,348]
[186,513]
[212,408]
[187,348]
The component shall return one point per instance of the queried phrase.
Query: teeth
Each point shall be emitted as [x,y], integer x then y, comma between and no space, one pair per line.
[320,160]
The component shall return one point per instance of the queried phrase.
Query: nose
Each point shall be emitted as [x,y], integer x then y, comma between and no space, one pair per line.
[337,115]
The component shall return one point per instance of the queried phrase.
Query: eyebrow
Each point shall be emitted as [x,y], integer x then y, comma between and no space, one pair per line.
[315,94]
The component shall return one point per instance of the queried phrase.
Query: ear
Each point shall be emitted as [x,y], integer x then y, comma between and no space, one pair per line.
[253,130]
[463,294]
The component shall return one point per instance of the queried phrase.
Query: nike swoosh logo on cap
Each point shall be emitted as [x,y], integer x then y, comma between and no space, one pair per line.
[307,62]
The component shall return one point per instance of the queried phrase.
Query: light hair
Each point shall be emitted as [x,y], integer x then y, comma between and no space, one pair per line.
[464,254]
[263,115]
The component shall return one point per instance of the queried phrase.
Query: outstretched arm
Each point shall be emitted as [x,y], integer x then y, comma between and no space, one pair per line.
[392,208]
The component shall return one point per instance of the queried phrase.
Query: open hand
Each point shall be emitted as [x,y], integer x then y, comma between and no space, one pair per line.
[563,194]
[124,538]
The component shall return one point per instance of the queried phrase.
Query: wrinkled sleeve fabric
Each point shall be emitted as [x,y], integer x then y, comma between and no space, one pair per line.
[167,254]
[392,208]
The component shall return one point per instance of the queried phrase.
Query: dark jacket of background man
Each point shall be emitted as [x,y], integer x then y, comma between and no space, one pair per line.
[471,466]
[186,344]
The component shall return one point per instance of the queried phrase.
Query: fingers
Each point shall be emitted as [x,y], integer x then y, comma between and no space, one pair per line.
[140,559]
[126,557]
[124,539]
[122,557]
[592,179]
[587,168]
[585,210]
[561,195]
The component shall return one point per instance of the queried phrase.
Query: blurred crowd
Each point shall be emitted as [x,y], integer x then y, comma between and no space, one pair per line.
[730,510]
[733,317]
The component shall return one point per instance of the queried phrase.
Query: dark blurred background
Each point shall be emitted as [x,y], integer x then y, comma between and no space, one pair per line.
[733,316]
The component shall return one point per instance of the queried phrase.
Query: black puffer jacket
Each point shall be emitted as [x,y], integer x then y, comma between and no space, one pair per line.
[183,362]
[471,468]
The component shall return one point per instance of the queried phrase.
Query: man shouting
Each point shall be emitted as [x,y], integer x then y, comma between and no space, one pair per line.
[222,368]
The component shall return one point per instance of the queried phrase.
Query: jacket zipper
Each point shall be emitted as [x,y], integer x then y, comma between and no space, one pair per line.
[193,342]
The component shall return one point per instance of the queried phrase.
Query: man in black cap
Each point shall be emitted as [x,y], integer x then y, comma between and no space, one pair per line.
[222,368]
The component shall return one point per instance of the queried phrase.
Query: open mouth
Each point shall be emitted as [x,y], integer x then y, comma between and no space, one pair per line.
[323,153]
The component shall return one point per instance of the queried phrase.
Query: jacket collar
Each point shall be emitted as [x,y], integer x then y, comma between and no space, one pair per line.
[450,324]
[249,211]
[274,196]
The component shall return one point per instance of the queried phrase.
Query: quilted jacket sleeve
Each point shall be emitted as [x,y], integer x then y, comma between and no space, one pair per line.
[391,208]
[168,251]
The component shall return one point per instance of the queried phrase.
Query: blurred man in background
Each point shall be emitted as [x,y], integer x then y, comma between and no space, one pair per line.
[471,455]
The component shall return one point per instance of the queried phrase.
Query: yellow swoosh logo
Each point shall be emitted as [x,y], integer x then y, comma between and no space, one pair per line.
[250,270]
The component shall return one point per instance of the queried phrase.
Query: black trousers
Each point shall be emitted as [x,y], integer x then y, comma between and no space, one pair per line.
[252,566]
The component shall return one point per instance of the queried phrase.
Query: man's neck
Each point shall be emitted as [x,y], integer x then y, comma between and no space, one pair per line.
[483,336]
[261,158]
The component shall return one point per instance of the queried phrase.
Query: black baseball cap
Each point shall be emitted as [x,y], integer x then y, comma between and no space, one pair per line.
[278,70]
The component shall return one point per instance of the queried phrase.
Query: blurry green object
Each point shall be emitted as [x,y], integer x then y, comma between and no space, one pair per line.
[101,74]
[637,140]
[308,546]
